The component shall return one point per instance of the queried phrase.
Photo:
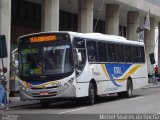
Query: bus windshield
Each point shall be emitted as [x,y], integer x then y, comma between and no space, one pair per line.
[43,59]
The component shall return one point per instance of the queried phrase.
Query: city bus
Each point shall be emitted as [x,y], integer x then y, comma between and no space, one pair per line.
[64,65]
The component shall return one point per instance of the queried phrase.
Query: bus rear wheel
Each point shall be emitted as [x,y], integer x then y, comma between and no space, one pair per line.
[128,93]
[91,95]
[129,89]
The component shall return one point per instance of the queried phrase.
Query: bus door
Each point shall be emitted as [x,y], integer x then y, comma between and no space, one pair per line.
[93,59]
[80,58]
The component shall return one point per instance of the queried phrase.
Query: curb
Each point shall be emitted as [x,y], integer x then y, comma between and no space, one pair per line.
[15,106]
[151,86]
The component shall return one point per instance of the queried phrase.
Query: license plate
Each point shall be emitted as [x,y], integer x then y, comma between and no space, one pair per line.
[43,93]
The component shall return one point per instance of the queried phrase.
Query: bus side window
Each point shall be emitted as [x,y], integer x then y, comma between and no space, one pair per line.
[102,52]
[120,53]
[134,51]
[111,52]
[127,53]
[142,55]
[92,51]
[79,45]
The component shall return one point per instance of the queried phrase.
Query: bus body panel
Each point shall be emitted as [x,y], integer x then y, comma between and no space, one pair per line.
[110,77]
[82,89]
[84,79]
[104,75]
[47,90]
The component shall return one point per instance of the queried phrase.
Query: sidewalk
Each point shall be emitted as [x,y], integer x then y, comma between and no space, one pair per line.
[15,102]
[152,85]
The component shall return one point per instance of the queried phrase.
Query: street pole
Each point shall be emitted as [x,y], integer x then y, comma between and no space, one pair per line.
[159,46]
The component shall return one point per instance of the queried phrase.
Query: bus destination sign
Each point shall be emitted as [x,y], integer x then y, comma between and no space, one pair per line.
[39,39]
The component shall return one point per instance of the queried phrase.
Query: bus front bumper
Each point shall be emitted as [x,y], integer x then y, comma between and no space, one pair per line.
[59,92]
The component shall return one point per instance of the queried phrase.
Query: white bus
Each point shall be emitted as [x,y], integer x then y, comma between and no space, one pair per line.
[79,65]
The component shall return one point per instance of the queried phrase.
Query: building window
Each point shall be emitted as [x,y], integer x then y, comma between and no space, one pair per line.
[99,26]
[26,13]
[122,31]
[68,21]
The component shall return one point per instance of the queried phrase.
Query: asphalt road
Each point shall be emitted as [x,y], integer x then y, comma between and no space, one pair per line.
[144,101]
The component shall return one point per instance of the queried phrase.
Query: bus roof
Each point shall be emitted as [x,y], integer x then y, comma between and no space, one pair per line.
[94,36]
[104,37]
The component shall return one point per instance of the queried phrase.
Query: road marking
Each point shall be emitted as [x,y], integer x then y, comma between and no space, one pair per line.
[72,110]
[136,98]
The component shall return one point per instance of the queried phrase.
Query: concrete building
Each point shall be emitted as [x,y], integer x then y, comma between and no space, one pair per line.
[118,17]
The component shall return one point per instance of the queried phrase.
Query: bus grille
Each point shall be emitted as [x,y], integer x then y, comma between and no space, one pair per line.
[49,94]
[33,88]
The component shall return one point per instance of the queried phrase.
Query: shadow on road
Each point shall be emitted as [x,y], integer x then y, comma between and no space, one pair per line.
[76,103]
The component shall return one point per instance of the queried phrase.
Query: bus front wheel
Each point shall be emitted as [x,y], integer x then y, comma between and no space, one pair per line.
[91,95]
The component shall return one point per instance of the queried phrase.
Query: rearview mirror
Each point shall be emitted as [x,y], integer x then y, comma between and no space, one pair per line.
[15,58]
[79,57]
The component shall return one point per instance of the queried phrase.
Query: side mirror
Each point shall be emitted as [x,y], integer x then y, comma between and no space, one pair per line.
[79,57]
[16,63]
[15,58]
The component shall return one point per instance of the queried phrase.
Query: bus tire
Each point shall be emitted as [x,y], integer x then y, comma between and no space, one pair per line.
[129,89]
[91,95]
[128,92]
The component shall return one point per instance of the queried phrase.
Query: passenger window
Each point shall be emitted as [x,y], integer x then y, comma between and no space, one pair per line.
[102,52]
[141,54]
[79,47]
[92,51]
[120,53]
[127,53]
[111,52]
[134,50]
[79,43]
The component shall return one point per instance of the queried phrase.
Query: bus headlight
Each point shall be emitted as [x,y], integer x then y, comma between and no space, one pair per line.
[57,84]
[22,87]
